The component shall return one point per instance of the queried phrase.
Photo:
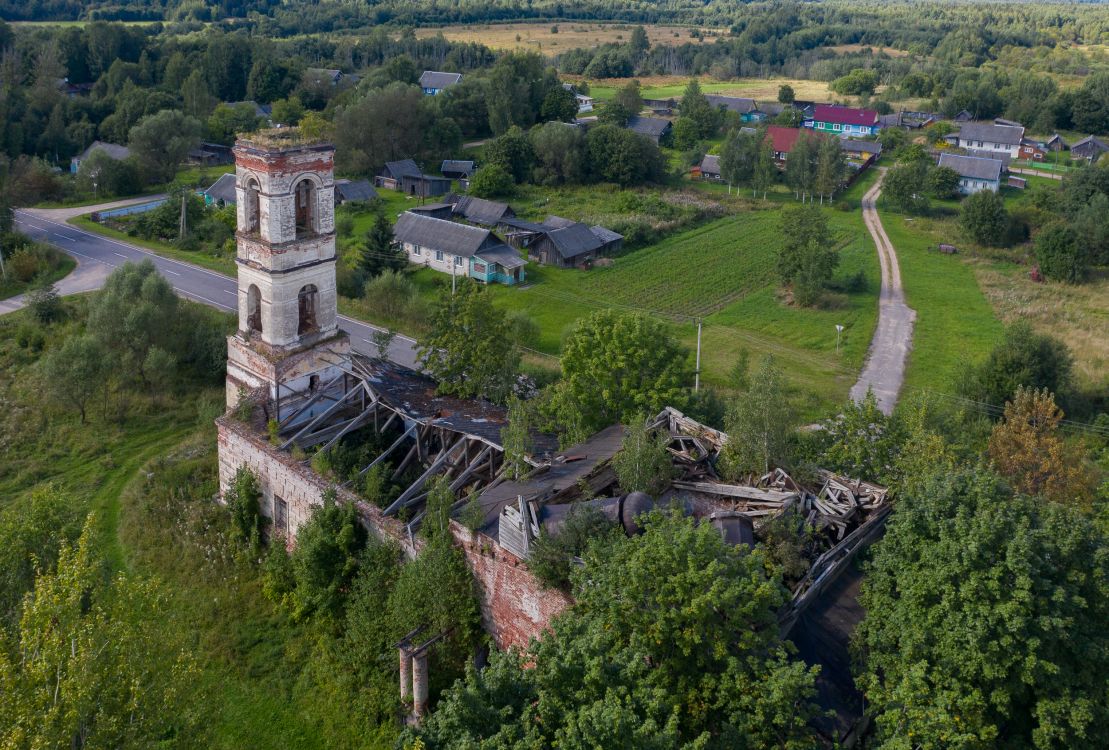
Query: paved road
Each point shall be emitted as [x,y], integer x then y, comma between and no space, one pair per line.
[97,256]
[884,371]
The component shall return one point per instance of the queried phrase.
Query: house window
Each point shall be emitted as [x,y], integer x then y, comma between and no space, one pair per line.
[439,255]
[836,126]
[458,260]
[479,267]
[415,249]
[280,514]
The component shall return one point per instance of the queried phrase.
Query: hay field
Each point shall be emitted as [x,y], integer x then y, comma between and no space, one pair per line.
[764,89]
[1077,314]
[844,49]
[571,35]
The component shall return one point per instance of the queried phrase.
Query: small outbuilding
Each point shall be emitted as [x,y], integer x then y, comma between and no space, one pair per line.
[354,191]
[1089,148]
[654,128]
[434,81]
[457,169]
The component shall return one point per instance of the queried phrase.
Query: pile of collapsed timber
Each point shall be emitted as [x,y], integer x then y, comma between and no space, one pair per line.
[840,504]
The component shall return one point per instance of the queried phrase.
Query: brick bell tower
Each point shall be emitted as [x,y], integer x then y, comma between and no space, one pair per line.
[288,339]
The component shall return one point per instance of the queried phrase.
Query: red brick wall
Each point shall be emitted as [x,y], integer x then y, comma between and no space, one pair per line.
[514,606]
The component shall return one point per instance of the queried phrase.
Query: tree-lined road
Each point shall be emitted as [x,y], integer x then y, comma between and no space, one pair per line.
[97,255]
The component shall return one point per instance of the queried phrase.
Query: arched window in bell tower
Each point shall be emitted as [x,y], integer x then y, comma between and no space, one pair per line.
[307,303]
[253,309]
[253,212]
[304,194]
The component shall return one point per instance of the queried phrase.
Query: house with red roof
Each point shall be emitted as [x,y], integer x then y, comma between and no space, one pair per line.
[837,120]
[783,139]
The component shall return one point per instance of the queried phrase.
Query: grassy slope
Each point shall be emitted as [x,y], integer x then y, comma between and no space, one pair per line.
[9,287]
[249,655]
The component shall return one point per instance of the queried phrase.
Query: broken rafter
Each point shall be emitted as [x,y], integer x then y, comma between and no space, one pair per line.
[734,490]
[415,487]
[320,417]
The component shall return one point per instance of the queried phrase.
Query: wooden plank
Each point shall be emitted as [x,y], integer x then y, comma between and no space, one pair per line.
[733,490]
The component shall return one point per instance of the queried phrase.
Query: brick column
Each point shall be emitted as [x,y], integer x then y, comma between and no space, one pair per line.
[405,673]
[419,685]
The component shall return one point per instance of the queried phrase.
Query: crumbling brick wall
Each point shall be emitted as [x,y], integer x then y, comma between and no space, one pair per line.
[515,607]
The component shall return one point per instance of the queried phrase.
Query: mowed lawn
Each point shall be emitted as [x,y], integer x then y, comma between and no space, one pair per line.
[955,323]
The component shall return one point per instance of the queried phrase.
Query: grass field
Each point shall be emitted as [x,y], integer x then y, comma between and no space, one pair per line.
[664,87]
[722,272]
[955,323]
[571,35]
[251,658]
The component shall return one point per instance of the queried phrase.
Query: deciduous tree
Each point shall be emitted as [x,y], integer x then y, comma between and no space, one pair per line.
[617,365]
[635,664]
[760,425]
[643,463]
[161,141]
[1026,447]
[984,218]
[469,348]
[985,621]
[1059,254]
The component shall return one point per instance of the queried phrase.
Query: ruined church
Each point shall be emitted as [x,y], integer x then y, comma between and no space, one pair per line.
[297,387]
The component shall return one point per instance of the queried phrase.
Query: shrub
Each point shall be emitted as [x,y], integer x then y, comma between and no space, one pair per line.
[491,181]
[1060,255]
[24,265]
[552,555]
[984,218]
[390,294]
[242,499]
[44,304]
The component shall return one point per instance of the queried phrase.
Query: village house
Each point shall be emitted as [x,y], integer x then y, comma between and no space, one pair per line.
[457,169]
[354,191]
[1056,143]
[976,173]
[560,242]
[838,120]
[1089,148]
[782,140]
[747,109]
[481,211]
[406,176]
[434,81]
[1031,150]
[963,116]
[329,75]
[710,167]
[660,106]
[654,128]
[221,192]
[984,136]
[210,155]
[457,249]
[112,150]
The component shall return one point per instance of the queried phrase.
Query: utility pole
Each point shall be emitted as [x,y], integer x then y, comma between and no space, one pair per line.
[183,224]
[697,370]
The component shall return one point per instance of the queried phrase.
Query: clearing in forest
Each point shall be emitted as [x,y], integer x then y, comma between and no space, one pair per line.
[570,35]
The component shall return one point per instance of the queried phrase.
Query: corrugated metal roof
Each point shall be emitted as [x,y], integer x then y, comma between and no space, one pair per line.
[223,189]
[502,255]
[988,132]
[403,168]
[434,79]
[844,115]
[732,103]
[356,190]
[456,165]
[606,235]
[972,167]
[574,240]
[650,126]
[440,234]
[480,210]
